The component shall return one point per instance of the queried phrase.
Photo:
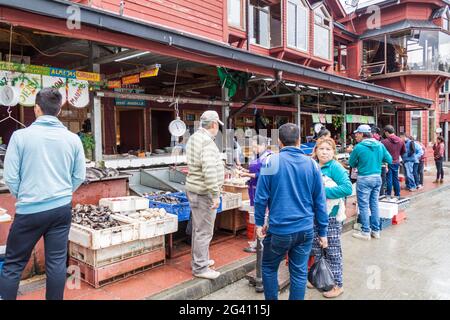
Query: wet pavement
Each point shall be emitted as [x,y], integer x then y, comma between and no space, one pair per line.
[410,261]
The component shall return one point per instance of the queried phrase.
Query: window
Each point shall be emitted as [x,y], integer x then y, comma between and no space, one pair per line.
[431,126]
[236,13]
[322,33]
[416,125]
[297,24]
[265,24]
[446,21]
[340,57]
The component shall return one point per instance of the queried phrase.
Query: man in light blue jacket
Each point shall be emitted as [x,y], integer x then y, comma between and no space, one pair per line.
[44,165]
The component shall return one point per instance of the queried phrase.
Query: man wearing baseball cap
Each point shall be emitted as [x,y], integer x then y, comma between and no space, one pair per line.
[203,184]
[367,157]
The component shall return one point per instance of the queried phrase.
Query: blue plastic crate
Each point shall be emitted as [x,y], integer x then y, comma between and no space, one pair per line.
[385,223]
[1,266]
[182,210]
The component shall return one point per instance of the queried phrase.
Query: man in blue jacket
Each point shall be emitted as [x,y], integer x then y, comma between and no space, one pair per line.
[44,165]
[290,186]
[367,157]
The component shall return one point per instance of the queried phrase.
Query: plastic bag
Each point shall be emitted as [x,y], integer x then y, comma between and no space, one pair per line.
[320,275]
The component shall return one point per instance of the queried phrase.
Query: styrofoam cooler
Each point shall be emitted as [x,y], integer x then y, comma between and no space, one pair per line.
[387,210]
[125,204]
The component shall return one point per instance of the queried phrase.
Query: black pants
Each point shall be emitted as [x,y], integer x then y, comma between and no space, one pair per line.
[25,232]
[440,169]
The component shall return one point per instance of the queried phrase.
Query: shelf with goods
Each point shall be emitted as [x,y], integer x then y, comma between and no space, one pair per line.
[73,118]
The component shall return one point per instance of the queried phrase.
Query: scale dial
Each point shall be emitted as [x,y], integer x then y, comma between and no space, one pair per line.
[177,127]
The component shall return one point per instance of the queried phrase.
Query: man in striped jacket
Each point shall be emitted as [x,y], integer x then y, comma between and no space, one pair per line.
[203,185]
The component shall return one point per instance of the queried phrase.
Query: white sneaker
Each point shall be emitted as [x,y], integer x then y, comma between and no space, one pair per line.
[211,263]
[209,274]
[361,235]
[375,234]
[357,226]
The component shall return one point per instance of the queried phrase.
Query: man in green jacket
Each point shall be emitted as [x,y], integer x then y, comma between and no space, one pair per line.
[367,157]
[203,186]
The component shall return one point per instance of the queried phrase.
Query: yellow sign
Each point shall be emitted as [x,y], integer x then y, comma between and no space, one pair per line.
[88,76]
[112,84]
[149,73]
[131,79]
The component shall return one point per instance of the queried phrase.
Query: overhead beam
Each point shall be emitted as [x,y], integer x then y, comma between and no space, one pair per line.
[274,84]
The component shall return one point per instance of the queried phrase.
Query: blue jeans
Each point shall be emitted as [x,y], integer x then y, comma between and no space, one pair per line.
[298,246]
[367,191]
[410,179]
[416,174]
[392,180]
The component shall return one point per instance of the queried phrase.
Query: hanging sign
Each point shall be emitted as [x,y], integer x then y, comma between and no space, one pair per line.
[349,118]
[57,83]
[149,73]
[78,93]
[113,84]
[130,79]
[329,118]
[370,120]
[88,76]
[57,72]
[27,68]
[315,118]
[29,85]
[130,102]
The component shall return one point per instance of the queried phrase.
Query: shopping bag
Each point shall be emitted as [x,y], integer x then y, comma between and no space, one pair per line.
[320,275]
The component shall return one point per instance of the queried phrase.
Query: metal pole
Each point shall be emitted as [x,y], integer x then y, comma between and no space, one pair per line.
[375,114]
[259,287]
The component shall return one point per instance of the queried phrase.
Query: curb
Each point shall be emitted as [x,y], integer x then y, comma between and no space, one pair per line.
[198,288]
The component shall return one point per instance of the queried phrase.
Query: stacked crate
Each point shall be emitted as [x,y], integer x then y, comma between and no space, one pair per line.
[100,257]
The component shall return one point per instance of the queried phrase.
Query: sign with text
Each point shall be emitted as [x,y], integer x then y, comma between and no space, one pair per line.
[130,102]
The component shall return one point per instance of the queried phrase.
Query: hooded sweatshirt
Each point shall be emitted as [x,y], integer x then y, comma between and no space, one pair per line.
[368,156]
[415,157]
[290,185]
[44,165]
[395,146]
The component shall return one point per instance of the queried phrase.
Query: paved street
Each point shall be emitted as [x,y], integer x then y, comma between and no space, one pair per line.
[410,261]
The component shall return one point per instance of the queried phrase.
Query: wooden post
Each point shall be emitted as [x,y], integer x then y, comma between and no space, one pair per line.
[299,111]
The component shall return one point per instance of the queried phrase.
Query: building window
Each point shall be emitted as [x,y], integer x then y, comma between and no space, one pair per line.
[431,126]
[446,21]
[236,13]
[340,57]
[322,33]
[416,125]
[265,23]
[297,24]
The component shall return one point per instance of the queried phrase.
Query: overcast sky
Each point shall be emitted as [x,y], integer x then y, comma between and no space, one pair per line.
[362,3]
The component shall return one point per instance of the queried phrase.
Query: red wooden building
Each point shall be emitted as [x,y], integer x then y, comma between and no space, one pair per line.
[405,45]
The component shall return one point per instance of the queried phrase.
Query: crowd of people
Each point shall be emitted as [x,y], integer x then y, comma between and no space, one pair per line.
[299,200]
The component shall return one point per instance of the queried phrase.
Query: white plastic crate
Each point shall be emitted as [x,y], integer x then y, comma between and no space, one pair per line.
[102,257]
[153,228]
[125,204]
[387,210]
[99,239]
[231,200]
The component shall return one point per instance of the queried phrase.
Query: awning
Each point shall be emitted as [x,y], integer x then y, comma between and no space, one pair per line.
[399,26]
[119,24]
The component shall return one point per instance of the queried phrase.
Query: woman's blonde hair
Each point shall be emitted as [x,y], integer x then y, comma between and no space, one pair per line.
[328,141]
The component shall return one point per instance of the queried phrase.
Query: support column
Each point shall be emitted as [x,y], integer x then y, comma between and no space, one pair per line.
[299,111]
[96,110]
[375,115]
[446,139]
[344,124]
